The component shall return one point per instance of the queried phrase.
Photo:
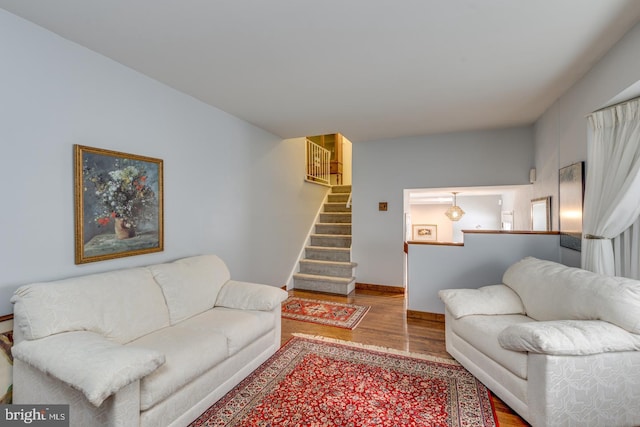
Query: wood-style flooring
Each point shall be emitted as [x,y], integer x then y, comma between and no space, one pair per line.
[386,325]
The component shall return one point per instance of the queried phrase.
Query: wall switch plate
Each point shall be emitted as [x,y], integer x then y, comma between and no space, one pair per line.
[382,206]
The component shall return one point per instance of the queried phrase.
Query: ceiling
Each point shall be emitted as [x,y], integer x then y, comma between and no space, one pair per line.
[370,69]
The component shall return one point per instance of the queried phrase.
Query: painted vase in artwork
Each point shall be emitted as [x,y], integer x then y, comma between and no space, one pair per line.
[124,229]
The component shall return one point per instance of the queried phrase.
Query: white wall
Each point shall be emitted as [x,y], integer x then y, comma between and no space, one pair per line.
[383,169]
[481,261]
[561,133]
[432,214]
[230,188]
[481,212]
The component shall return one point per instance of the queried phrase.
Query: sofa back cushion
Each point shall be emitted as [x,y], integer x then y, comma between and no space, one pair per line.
[190,285]
[552,291]
[121,305]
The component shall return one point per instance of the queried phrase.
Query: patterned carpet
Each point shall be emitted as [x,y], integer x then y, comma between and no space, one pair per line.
[314,381]
[324,312]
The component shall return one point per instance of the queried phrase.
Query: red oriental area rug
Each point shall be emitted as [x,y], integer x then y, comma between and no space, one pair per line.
[324,312]
[329,383]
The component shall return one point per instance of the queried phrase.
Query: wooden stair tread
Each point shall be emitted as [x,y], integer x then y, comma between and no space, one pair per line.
[318,277]
[323,262]
[328,248]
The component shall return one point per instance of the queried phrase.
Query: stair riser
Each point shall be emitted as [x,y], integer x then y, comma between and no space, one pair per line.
[335,217]
[323,255]
[336,207]
[321,286]
[341,189]
[326,270]
[338,198]
[333,228]
[330,241]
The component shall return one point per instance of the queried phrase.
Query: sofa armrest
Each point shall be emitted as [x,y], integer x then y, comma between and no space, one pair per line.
[250,296]
[88,362]
[489,300]
[568,337]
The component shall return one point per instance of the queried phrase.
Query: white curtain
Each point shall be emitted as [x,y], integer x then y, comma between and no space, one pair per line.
[626,251]
[612,190]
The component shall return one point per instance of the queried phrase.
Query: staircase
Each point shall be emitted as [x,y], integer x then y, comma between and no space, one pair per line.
[327,265]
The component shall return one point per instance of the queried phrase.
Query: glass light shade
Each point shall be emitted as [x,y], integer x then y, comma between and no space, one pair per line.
[454,213]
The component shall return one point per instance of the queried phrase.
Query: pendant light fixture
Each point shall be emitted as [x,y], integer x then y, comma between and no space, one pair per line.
[454,213]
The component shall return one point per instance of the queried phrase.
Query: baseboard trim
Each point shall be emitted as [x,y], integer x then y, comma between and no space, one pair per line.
[381,288]
[423,315]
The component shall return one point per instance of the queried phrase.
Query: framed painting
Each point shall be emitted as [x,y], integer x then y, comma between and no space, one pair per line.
[6,359]
[425,232]
[571,196]
[118,204]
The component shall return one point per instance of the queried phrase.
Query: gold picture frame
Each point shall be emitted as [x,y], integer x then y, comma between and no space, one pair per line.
[118,204]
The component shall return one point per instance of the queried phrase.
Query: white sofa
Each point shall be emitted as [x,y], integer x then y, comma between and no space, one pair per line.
[151,346]
[559,345]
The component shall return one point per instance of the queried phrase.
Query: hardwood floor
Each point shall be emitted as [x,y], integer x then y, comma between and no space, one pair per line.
[386,325]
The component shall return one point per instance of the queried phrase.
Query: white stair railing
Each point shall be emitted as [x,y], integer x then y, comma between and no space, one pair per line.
[318,161]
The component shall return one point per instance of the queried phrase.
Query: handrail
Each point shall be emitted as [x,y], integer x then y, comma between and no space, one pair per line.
[318,164]
[349,200]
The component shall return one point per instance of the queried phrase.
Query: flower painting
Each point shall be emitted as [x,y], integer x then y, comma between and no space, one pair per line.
[118,204]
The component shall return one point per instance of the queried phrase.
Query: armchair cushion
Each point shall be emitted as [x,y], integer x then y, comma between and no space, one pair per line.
[88,362]
[568,337]
[250,296]
[493,299]
[552,291]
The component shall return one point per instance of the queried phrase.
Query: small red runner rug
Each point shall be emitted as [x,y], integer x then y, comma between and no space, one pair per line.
[321,382]
[329,313]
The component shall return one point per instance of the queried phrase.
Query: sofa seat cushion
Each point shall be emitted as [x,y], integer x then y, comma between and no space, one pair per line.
[239,327]
[482,333]
[188,354]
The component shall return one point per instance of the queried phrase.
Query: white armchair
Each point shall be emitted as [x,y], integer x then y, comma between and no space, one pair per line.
[559,345]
